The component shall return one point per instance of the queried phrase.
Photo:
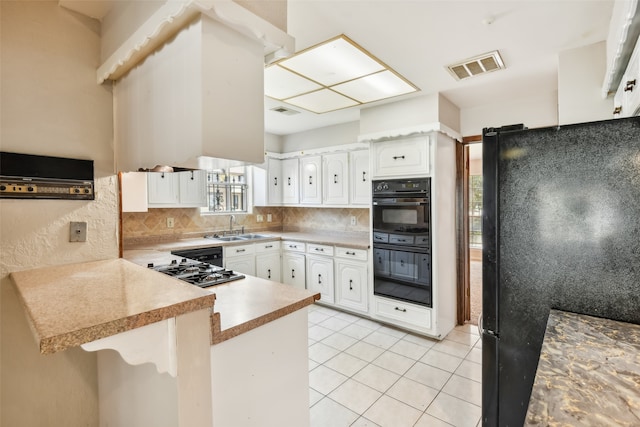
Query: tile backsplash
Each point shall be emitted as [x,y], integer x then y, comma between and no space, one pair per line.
[187,222]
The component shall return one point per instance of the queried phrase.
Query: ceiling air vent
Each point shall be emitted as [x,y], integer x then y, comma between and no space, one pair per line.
[477,65]
[284,110]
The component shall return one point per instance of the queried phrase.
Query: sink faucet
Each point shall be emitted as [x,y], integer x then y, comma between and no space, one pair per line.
[232,219]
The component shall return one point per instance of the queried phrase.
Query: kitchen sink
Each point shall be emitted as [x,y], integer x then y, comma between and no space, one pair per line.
[231,238]
[255,236]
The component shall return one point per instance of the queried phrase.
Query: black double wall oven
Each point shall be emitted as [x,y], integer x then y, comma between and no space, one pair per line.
[402,240]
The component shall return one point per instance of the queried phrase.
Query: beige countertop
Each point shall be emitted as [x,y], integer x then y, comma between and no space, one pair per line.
[69,305]
[351,240]
[588,373]
[241,305]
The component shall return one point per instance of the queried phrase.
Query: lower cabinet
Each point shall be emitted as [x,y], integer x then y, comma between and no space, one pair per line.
[320,276]
[268,263]
[293,269]
[351,279]
[411,316]
[240,258]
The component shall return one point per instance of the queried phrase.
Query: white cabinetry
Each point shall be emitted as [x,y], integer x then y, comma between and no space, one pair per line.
[335,172]
[351,279]
[310,180]
[268,264]
[240,258]
[290,186]
[403,314]
[401,157]
[274,182]
[627,98]
[320,271]
[177,189]
[293,264]
[360,179]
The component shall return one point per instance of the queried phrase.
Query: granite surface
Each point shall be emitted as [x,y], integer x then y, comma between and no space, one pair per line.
[241,305]
[588,373]
[69,305]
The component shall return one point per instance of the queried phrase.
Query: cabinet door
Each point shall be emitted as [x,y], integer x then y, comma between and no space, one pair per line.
[336,178]
[268,266]
[274,179]
[351,285]
[320,277]
[293,272]
[310,180]
[423,262]
[193,188]
[290,190]
[242,264]
[401,157]
[164,189]
[360,179]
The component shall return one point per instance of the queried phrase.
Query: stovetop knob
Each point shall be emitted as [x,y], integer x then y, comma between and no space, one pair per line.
[174,261]
[150,265]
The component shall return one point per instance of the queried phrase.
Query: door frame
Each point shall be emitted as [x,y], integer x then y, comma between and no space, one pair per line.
[462,227]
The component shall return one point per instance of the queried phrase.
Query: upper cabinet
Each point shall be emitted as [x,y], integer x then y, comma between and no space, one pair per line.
[335,171]
[627,98]
[290,188]
[403,157]
[187,189]
[360,178]
[311,180]
[173,108]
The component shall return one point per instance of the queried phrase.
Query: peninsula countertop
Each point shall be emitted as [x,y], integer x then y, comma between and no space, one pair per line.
[69,305]
[241,305]
[588,373]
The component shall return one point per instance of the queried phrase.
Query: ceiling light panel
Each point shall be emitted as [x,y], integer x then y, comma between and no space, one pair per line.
[375,87]
[280,83]
[335,61]
[322,101]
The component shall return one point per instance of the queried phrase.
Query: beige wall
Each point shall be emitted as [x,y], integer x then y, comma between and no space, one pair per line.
[50,105]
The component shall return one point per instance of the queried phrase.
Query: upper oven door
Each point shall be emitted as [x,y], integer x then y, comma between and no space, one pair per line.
[401,214]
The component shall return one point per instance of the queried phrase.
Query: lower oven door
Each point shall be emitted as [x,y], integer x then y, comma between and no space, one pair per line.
[402,273]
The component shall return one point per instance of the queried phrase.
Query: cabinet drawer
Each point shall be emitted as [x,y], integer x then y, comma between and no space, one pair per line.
[293,246]
[380,237]
[268,247]
[238,250]
[349,253]
[313,248]
[400,239]
[404,312]
[401,157]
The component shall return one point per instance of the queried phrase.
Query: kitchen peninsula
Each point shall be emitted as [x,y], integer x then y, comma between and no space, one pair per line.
[259,331]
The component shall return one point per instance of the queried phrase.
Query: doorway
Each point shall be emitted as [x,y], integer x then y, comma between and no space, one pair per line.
[469,220]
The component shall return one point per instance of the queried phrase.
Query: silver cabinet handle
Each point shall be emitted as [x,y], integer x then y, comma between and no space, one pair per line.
[404,310]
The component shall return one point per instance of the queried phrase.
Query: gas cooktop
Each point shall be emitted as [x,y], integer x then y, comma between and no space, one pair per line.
[197,273]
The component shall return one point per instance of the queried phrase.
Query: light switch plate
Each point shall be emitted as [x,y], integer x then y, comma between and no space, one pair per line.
[78,232]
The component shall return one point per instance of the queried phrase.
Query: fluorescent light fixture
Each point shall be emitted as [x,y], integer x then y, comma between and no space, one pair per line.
[333,75]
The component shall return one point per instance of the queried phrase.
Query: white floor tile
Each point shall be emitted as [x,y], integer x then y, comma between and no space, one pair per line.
[462,338]
[475,355]
[355,396]
[376,377]
[348,317]
[318,333]
[391,331]
[440,360]
[356,331]
[334,323]
[314,397]
[454,411]
[339,341]
[325,380]
[368,323]
[363,422]
[428,375]
[380,340]
[346,364]
[394,362]
[468,328]
[470,370]
[427,420]
[317,317]
[326,310]
[412,393]
[365,351]
[388,412]
[465,389]
[453,348]
[320,352]
[313,365]
[408,349]
[328,413]
[423,341]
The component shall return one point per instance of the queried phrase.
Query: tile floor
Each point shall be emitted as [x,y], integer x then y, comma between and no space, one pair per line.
[363,373]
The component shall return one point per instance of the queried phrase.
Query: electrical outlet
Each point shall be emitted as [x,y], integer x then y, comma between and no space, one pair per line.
[354,221]
[170,223]
[78,232]
[259,218]
[269,218]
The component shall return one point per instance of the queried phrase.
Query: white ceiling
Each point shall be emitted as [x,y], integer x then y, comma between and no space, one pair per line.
[418,38]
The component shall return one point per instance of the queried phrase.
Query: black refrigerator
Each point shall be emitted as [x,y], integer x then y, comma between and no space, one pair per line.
[561,230]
